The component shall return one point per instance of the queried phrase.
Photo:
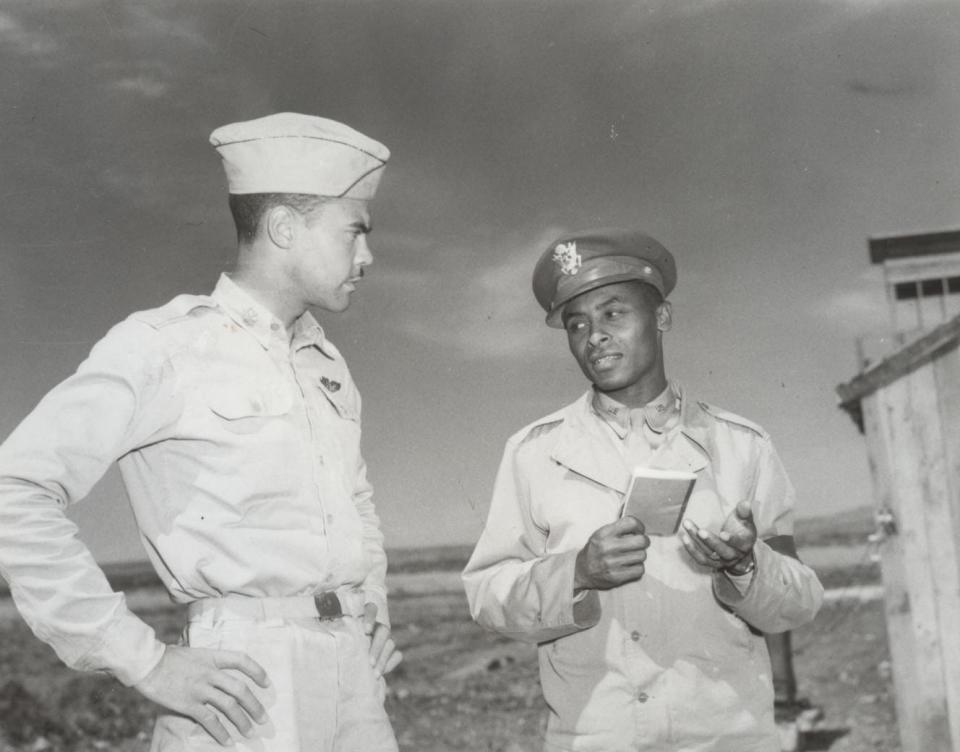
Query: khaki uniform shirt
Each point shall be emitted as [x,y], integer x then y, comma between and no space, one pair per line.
[240,453]
[673,661]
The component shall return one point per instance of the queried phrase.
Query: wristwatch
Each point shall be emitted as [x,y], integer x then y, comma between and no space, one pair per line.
[751,564]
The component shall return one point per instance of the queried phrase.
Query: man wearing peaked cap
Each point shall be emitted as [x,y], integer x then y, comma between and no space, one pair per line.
[236,427]
[647,603]
[584,262]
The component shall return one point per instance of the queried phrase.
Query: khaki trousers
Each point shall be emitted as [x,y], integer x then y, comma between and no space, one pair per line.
[324,696]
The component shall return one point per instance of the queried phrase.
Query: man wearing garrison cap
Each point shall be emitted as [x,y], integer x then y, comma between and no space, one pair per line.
[648,619]
[236,426]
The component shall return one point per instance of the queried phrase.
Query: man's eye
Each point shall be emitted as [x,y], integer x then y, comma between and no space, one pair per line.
[574,326]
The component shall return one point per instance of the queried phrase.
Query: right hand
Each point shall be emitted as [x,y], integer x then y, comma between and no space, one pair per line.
[196,682]
[384,656]
[613,556]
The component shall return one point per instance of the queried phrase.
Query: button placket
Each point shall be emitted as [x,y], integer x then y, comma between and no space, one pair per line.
[304,386]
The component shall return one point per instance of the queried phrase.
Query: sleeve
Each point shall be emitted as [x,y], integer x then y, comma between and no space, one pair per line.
[513,588]
[375,583]
[52,459]
[784,593]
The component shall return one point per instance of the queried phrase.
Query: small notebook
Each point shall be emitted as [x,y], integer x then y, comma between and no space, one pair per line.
[658,498]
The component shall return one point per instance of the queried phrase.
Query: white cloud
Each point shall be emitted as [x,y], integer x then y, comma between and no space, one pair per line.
[146,86]
[854,311]
[158,23]
[23,40]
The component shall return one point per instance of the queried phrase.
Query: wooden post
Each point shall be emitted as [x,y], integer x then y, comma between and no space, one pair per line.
[908,407]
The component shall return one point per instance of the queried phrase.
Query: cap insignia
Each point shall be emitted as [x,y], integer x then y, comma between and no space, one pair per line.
[566,258]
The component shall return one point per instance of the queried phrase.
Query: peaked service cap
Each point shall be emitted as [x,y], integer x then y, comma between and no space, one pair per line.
[292,153]
[578,263]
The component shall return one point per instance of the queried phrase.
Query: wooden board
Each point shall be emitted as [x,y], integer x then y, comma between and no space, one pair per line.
[944,521]
[914,451]
[897,601]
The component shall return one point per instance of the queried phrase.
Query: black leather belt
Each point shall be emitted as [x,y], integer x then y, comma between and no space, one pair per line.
[328,606]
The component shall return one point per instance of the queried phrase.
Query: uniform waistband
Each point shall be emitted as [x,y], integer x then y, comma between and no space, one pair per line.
[330,604]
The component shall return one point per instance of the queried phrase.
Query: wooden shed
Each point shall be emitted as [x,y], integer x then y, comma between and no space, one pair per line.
[908,408]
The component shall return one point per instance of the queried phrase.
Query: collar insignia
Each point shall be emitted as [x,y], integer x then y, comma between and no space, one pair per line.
[329,384]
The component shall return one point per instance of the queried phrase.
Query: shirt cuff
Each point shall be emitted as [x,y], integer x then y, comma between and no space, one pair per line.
[130,652]
[731,589]
[584,606]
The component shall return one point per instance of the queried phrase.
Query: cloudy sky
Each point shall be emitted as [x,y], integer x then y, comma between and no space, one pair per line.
[763,143]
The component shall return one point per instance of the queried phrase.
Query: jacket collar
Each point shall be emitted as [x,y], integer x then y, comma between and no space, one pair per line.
[585,444]
[659,413]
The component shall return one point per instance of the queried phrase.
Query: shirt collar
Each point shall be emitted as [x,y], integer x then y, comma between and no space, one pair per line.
[661,413]
[262,324]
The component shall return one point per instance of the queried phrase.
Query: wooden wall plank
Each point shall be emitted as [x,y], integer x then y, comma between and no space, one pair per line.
[918,486]
[946,521]
[897,602]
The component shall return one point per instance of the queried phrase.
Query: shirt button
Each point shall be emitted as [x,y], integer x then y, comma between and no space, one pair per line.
[643,697]
[275,326]
[329,519]
[635,636]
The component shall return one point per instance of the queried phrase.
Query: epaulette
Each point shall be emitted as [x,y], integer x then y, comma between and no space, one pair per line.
[540,429]
[178,309]
[728,417]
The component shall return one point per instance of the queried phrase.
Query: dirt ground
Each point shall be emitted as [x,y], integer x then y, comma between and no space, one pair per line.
[459,687]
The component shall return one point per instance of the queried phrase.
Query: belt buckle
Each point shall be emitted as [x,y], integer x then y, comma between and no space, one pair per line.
[328,606]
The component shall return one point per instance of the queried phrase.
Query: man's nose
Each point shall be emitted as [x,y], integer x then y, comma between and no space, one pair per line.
[364,255]
[598,337]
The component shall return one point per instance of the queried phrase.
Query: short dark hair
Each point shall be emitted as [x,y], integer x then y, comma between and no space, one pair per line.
[248,209]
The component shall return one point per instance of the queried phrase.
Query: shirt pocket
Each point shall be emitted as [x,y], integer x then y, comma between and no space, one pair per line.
[246,409]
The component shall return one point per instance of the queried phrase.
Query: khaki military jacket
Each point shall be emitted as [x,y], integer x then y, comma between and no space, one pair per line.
[676,660]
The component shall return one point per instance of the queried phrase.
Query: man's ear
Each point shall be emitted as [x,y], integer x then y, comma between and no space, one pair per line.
[664,316]
[279,224]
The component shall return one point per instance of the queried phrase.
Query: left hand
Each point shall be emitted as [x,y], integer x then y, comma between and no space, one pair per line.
[734,543]
[384,656]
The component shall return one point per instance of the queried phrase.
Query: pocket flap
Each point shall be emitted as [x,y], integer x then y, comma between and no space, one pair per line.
[233,403]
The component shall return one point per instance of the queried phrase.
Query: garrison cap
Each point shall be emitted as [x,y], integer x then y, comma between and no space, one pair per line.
[292,153]
[574,264]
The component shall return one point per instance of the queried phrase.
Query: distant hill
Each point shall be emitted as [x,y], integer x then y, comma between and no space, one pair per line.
[127,575]
[843,528]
